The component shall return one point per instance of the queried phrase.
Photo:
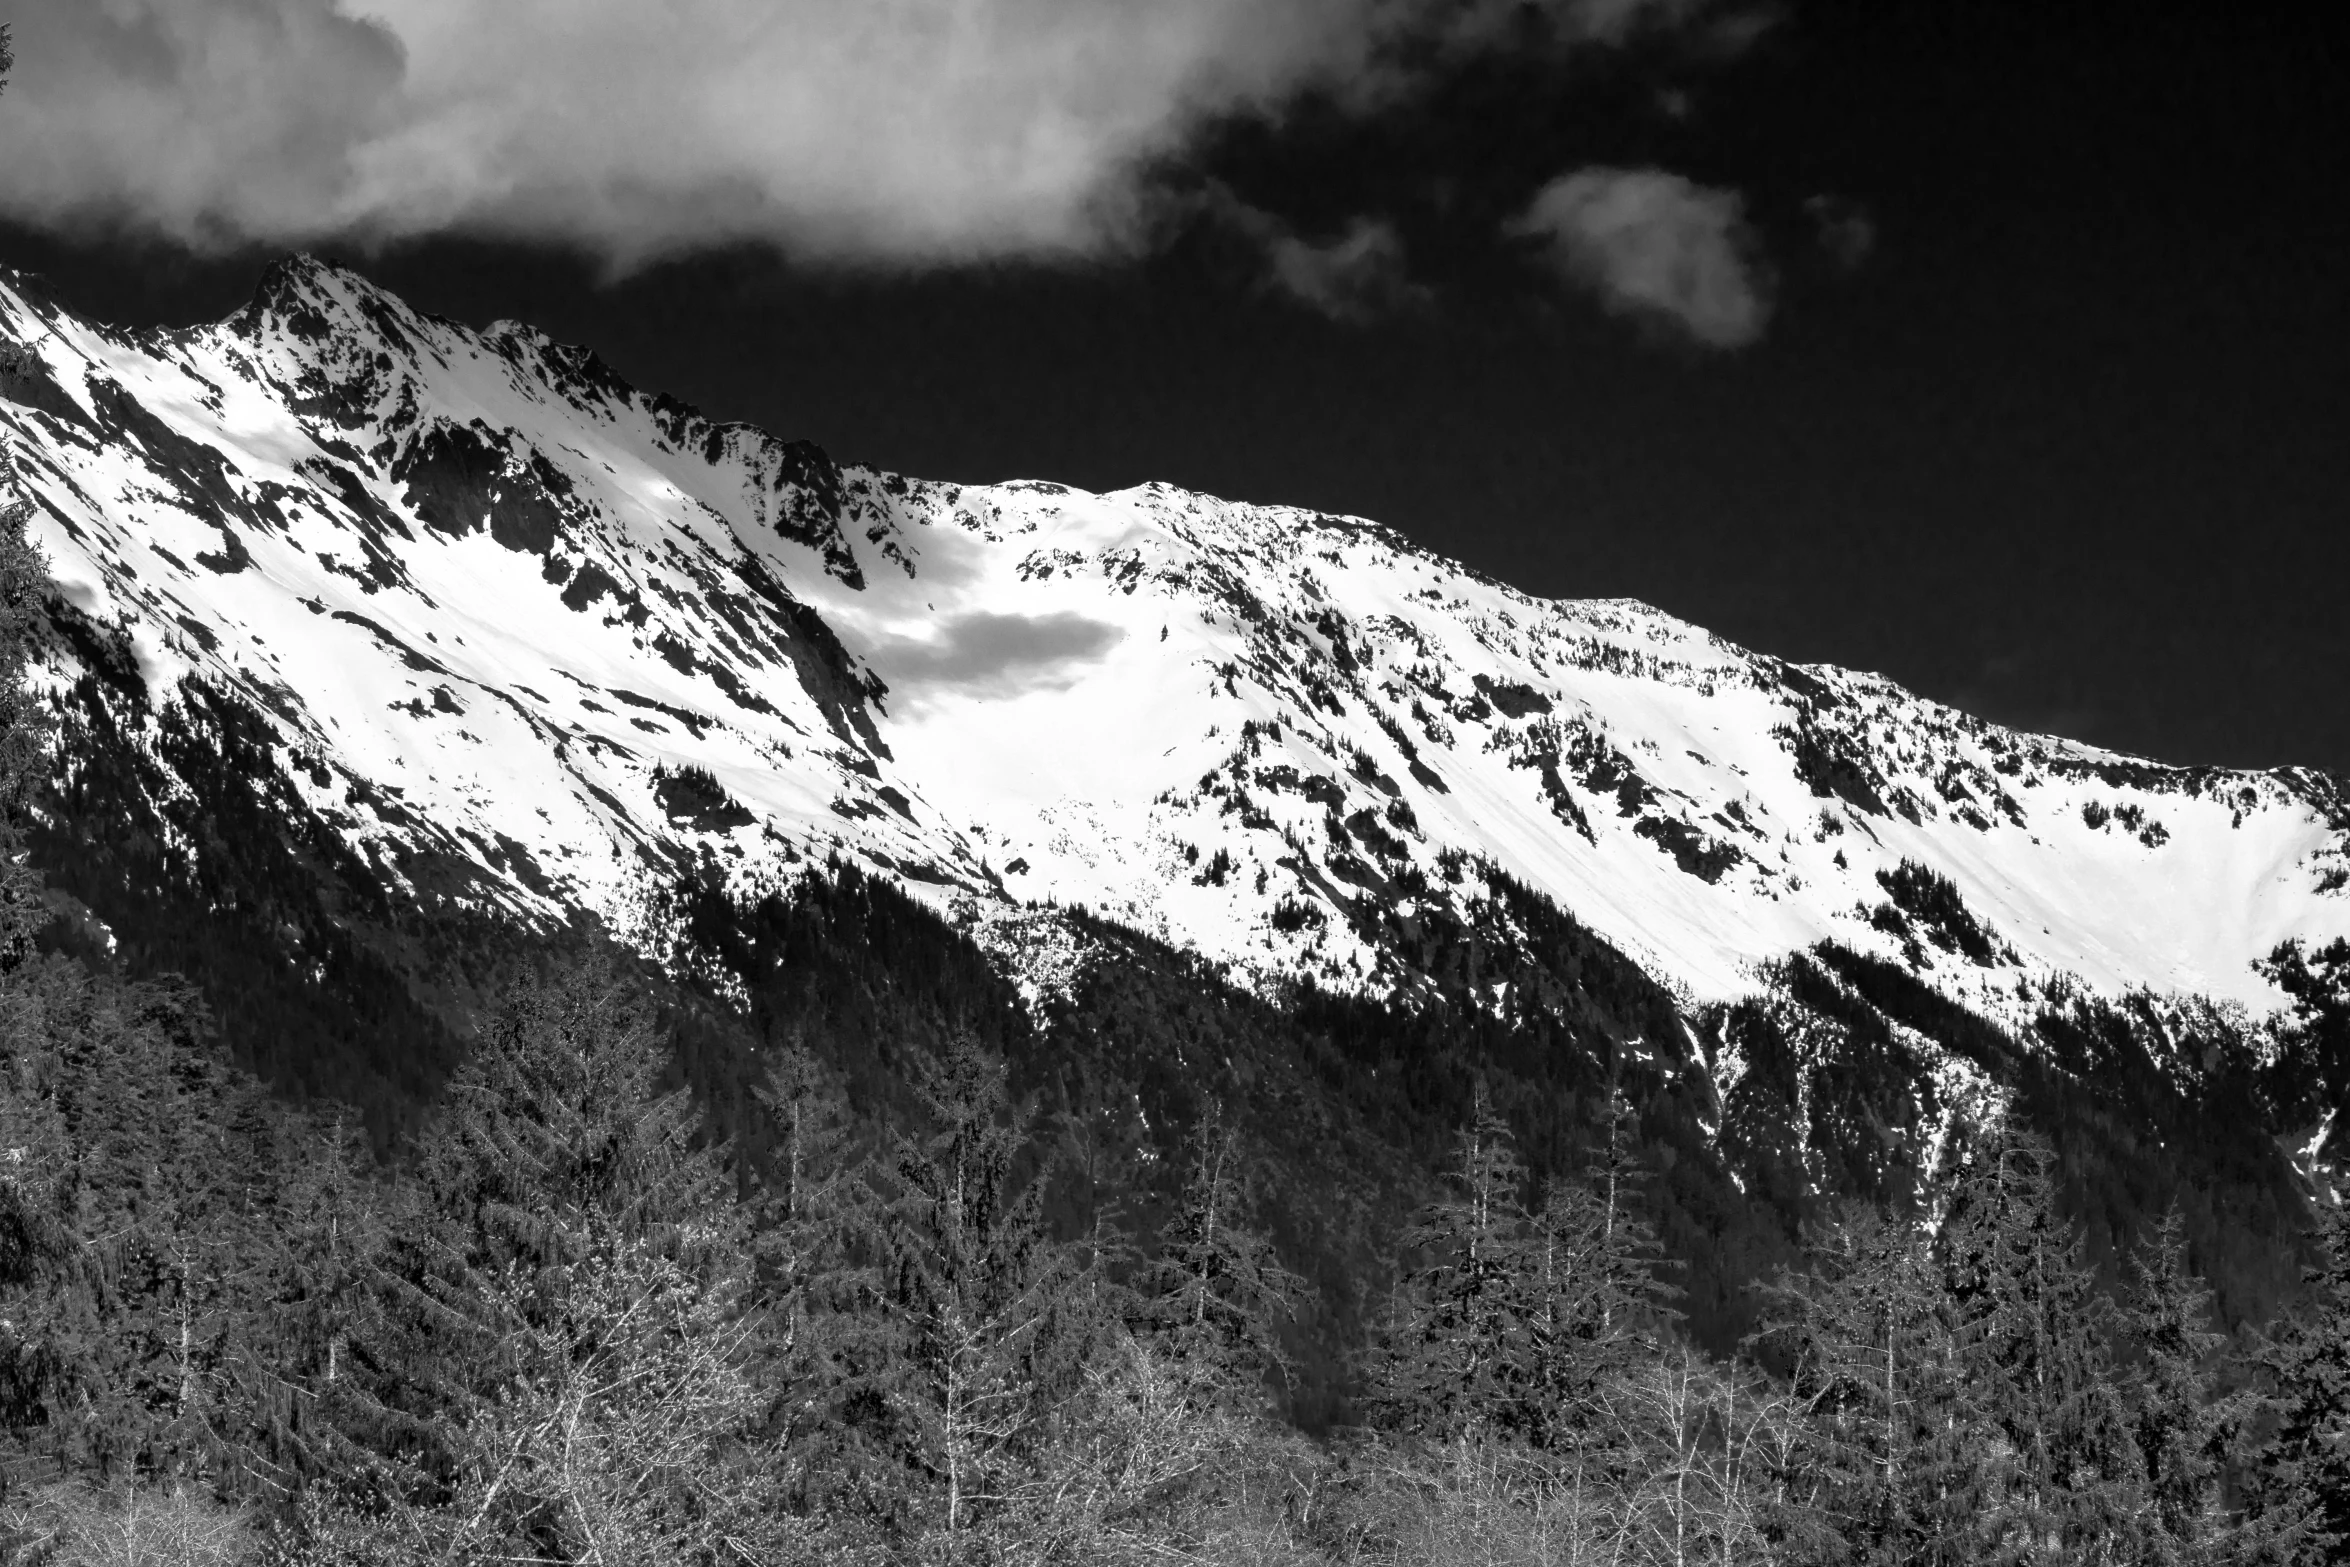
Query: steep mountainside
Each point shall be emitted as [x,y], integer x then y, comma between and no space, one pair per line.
[515,612]
[470,635]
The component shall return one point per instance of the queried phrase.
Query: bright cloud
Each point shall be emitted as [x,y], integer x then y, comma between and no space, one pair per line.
[1656,246]
[912,131]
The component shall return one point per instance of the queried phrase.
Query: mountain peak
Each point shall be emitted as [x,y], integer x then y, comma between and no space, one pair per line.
[328,326]
[307,292]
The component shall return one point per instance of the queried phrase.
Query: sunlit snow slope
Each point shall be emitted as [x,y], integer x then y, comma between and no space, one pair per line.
[501,610]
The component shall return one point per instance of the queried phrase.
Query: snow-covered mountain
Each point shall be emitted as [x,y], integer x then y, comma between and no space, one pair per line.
[524,638]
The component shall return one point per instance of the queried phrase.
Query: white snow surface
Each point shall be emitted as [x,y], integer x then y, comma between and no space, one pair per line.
[472,573]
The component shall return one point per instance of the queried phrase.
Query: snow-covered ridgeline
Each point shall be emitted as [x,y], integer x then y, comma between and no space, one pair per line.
[489,596]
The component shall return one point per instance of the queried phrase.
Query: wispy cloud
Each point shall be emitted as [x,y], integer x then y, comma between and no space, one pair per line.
[1357,275]
[1847,235]
[1657,246]
[1352,276]
[911,131]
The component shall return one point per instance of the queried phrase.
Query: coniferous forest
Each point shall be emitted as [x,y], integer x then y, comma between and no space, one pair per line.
[631,1275]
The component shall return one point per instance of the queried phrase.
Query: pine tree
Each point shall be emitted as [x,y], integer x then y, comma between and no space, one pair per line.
[23,725]
[574,1336]
[312,1384]
[1894,1435]
[991,1322]
[558,1126]
[1595,1305]
[818,1245]
[133,1181]
[2300,1484]
[205,1237]
[1216,1294]
[1452,1356]
[2033,1333]
[1102,1160]
[49,1310]
[2185,1430]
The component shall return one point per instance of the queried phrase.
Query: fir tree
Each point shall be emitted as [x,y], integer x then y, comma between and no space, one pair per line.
[2033,1337]
[2185,1430]
[2300,1485]
[989,1319]
[1452,1356]
[818,1246]
[1216,1294]
[1893,1433]
[1595,1306]
[574,1333]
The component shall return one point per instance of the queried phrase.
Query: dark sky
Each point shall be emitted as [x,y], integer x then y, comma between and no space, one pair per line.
[2070,447]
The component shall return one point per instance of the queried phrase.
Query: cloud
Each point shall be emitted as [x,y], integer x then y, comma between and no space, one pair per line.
[205,119]
[1357,275]
[1657,246]
[1846,233]
[1467,27]
[913,131]
[1001,655]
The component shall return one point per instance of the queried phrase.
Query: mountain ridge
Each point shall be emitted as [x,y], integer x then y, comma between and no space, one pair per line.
[484,634]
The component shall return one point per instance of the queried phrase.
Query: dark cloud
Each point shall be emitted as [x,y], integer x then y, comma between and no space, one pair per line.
[898,131]
[1655,245]
[205,119]
[999,654]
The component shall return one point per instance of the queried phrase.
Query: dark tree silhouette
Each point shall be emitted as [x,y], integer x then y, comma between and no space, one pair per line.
[2185,1427]
[982,1302]
[1217,1294]
[2301,1483]
[1873,1361]
[1452,1352]
[2033,1329]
